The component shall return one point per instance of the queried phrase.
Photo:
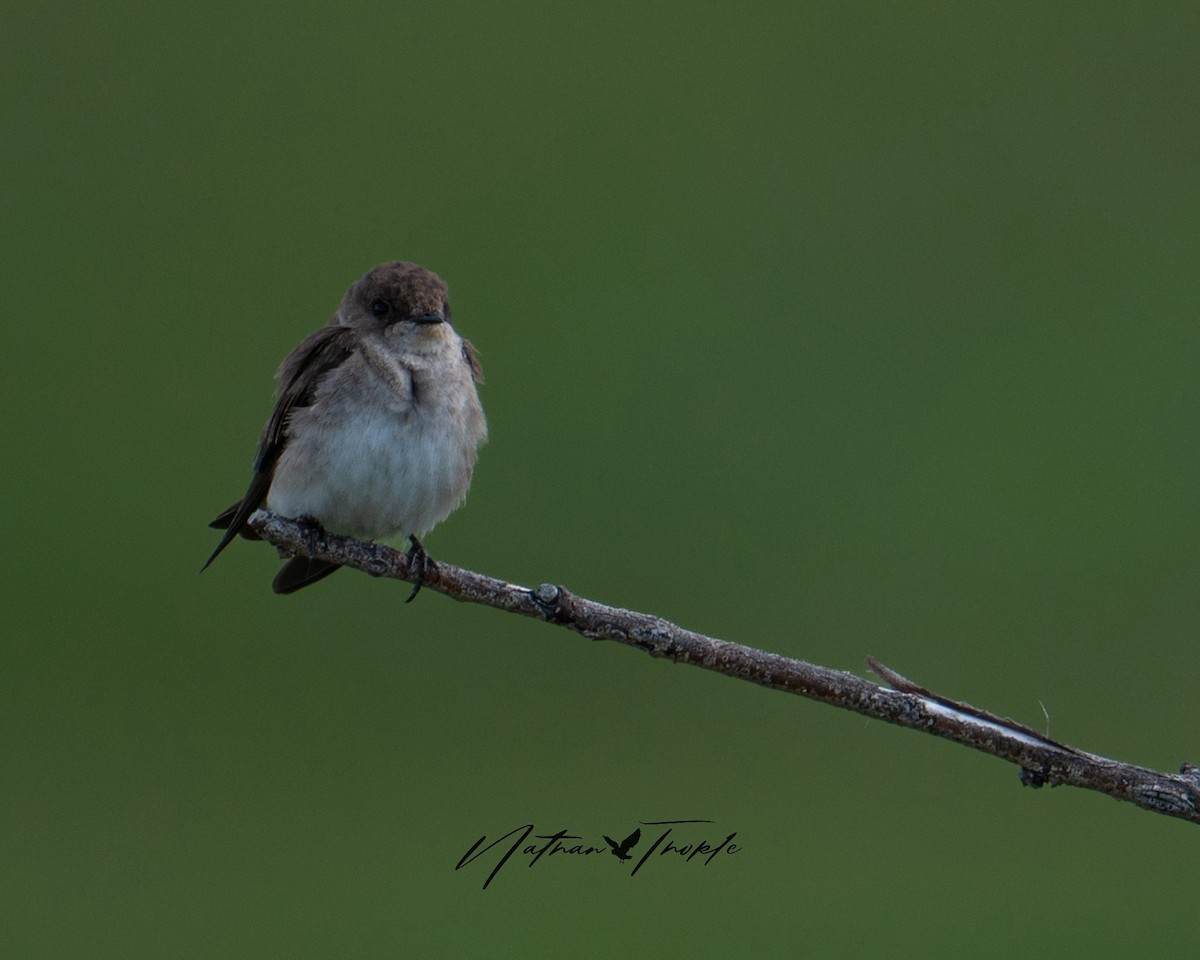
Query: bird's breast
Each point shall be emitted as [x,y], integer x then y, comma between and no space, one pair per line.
[371,470]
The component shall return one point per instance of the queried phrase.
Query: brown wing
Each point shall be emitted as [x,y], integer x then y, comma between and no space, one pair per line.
[304,368]
[472,358]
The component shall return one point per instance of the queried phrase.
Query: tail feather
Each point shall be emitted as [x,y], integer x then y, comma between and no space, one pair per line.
[227,521]
[300,572]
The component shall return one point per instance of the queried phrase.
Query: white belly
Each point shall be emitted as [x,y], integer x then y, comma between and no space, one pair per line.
[383,475]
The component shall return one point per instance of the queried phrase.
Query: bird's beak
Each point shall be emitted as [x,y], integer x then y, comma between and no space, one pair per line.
[428,318]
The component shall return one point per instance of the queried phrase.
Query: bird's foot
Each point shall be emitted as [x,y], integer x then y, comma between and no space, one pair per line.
[421,562]
[314,533]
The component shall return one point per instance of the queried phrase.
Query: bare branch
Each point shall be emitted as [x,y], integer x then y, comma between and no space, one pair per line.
[1042,760]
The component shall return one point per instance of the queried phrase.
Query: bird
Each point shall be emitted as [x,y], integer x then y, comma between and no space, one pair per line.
[376,427]
[621,850]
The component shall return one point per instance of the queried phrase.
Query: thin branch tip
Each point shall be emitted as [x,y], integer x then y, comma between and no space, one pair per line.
[1041,760]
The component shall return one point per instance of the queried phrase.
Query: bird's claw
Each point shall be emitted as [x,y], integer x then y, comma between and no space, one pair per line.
[313,534]
[421,562]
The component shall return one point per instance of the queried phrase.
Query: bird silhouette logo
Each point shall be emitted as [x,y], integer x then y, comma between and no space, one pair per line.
[621,850]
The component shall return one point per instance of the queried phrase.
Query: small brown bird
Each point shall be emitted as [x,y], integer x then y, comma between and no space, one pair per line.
[376,426]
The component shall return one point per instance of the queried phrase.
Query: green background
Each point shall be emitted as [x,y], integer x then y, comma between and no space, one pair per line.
[829,328]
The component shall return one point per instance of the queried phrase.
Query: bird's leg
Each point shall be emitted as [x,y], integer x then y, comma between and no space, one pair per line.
[312,531]
[420,561]
[312,534]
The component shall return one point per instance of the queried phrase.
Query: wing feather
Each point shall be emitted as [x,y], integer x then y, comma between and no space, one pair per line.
[299,376]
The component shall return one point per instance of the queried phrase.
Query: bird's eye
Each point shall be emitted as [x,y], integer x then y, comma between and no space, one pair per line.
[380,309]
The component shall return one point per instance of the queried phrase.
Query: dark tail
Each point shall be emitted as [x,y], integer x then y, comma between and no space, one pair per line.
[300,572]
[225,522]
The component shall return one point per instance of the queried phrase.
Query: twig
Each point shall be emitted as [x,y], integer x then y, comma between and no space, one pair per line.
[1042,760]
